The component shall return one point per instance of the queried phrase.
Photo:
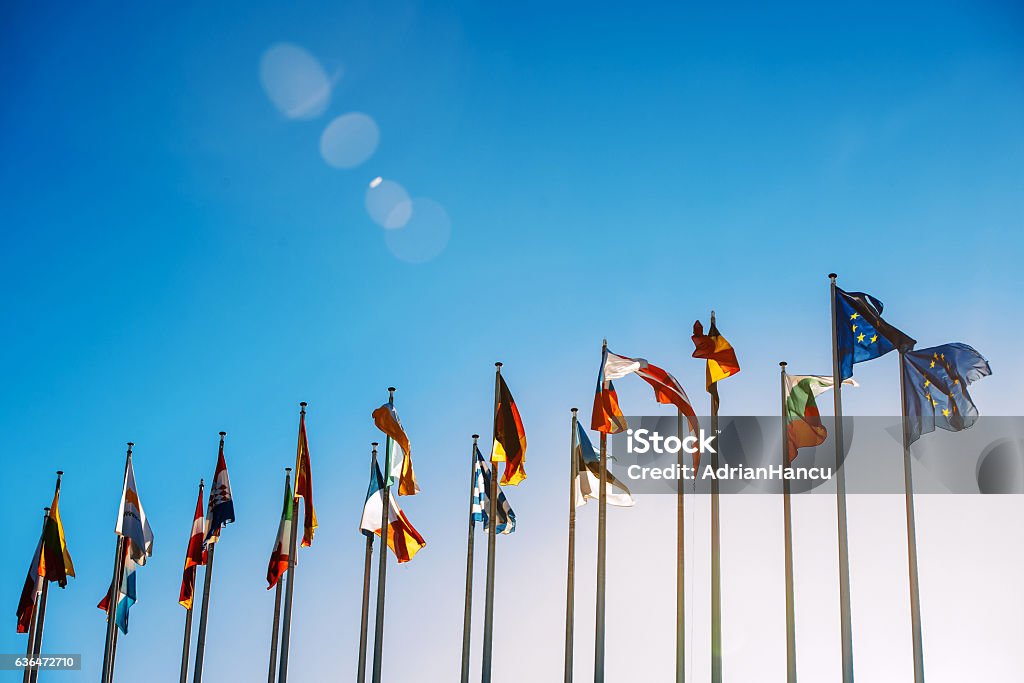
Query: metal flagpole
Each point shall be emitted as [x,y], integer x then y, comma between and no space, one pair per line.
[716,547]
[30,649]
[275,634]
[680,570]
[110,645]
[197,673]
[382,562]
[367,568]
[485,674]
[602,531]
[467,615]
[915,588]
[570,571]
[845,621]
[188,619]
[286,629]
[787,522]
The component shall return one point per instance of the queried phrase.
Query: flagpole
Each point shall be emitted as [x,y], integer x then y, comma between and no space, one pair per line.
[680,568]
[286,631]
[467,615]
[602,532]
[274,636]
[787,521]
[188,619]
[716,547]
[30,648]
[570,571]
[915,588]
[485,674]
[382,561]
[197,673]
[845,620]
[110,645]
[367,568]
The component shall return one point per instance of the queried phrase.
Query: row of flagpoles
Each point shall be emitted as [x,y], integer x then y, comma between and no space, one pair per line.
[933,385]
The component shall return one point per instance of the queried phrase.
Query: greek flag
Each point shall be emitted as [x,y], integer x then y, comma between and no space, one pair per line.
[482,501]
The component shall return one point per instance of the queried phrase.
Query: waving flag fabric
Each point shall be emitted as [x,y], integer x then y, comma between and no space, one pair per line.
[482,499]
[304,484]
[861,332]
[803,421]
[509,437]
[220,509]
[56,560]
[30,591]
[131,520]
[667,388]
[588,477]
[936,380]
[194,556]
[607,416]
[403,539]
[400,469]
[720,357]
[126,595]
[279,558]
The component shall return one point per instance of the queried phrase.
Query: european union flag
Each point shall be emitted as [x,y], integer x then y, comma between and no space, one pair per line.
[936,382]
[861,332]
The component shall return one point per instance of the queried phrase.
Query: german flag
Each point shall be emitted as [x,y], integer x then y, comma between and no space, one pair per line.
[509,436]
[721,359]
[55,564]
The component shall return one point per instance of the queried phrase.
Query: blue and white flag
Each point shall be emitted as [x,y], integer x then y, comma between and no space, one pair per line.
[482,499]
[220,509]
[132,523]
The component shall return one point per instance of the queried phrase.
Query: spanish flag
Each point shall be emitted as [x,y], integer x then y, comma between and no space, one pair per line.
[400,470]
[304,483]
[55,564]
[509,436]
[721,359]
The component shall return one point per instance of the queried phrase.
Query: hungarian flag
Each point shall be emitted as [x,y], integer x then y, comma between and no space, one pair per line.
[126,595]
[279,558]
[132,523]
[56,562]
[509,437]
[721,359]
[30,591]
[194,555]
[588,475]
[606,416]
[403,539]
[220,507]
[803,421]
[399,468]
[304,483]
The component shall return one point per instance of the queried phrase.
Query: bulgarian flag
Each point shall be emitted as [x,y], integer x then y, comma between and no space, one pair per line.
[279,558]
[803,421]
[403,539]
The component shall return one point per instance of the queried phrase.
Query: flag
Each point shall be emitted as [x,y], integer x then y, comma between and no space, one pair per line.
[606,416]
[220,507]
[194,556]
[936,382]
[509,437]
[304,484]
[126,595]
[56,562]
[720,357]
[131,521]
[803,421]
[588,475]
[403,539]
[482,499]
[399,469]
[861,333]
[30,591]
[279,558]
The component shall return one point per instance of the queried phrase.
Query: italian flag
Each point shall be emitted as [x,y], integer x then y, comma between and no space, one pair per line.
[279,557]
[803,421]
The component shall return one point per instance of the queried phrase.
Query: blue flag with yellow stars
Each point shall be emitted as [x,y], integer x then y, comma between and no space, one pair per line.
[861,332]
[936,382]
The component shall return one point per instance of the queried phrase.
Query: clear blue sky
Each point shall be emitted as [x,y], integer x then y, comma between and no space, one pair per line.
[179,259]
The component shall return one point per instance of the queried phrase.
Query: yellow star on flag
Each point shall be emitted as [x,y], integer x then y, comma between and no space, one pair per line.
[860,337]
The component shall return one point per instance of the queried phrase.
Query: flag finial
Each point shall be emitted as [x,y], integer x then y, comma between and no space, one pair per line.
[498,364]
[476,436]
[782,364]
[574,410]
[222,435]
[832,276]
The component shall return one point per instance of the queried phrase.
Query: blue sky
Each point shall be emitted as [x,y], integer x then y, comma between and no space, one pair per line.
[179,259]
